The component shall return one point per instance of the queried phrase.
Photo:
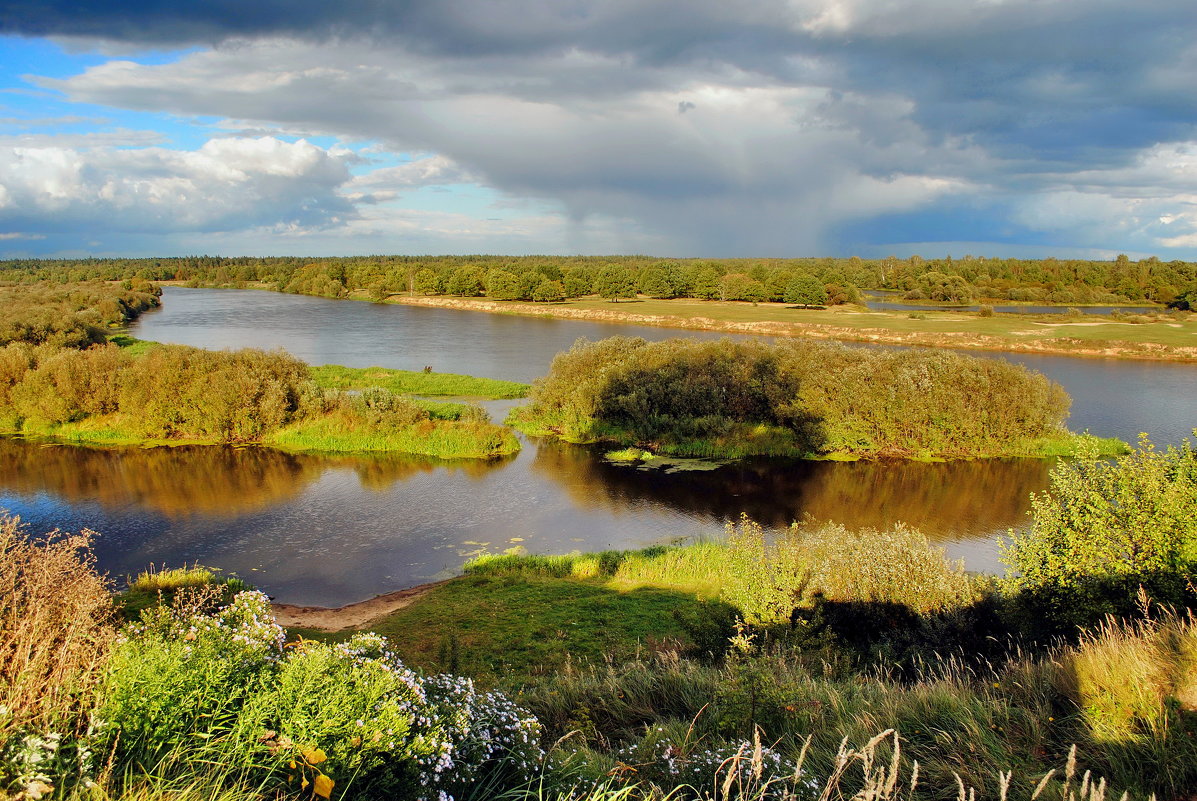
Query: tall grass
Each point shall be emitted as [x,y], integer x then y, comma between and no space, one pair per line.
[766,576]
[962,725]
[56,626]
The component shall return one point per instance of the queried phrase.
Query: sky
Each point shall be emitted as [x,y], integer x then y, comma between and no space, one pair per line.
[683,128]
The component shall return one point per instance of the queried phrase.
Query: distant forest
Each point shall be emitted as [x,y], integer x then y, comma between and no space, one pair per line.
[811,281]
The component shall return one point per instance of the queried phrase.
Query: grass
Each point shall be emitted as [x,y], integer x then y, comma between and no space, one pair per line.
[406,382]
[443,439]
[1165,336]
[591,642]
[163,579]
[494,626]
[132,345]
[625,714]
[56,628]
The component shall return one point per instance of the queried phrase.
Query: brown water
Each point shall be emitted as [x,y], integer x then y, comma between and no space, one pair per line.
[330,530]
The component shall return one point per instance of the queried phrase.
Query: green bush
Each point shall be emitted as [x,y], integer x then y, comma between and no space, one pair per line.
[180,678]
[1102,530]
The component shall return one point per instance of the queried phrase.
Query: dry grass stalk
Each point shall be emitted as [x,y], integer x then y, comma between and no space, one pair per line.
[56,625]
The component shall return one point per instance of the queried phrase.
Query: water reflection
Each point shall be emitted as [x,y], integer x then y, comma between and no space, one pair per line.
[949,501]
[174,482]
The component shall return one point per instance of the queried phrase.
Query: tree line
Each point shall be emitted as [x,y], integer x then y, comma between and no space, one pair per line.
[803,281]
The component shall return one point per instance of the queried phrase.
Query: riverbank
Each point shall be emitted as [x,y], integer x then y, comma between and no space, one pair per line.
[1173,340]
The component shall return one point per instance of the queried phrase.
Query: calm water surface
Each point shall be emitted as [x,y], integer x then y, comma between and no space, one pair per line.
[325,530]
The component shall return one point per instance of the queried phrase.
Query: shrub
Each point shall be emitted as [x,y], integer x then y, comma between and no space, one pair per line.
[180,676]
[1102,530]
[234,396]
[795,398]
[767,579]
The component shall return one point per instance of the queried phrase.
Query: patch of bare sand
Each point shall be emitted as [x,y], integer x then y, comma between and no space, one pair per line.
[350,616]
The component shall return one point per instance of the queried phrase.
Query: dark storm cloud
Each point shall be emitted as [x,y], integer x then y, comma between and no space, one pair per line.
[724,127]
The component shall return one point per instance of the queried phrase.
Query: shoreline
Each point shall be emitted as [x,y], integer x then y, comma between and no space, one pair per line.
[354,615]
[1115,349]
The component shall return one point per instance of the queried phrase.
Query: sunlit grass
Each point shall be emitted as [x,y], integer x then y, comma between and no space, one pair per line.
[407,382]
[443,439]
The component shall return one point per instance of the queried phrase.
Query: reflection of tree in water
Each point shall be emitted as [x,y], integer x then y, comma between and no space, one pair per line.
[173,481]
[379,473]
[210,479]
[944,499]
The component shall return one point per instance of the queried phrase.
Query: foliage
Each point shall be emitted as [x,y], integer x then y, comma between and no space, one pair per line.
[805,290]
[186,688]
[728,398]
[1062,281]
[1104,529]
[767,578]
[71,315]
[56,626]
[169,392]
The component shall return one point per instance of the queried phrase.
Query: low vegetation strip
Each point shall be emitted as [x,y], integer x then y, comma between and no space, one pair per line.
[407,382]
[795,398]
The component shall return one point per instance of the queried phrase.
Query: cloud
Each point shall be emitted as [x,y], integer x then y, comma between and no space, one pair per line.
[772,125]
[228,184]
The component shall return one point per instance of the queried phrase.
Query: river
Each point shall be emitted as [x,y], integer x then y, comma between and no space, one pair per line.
[332,530]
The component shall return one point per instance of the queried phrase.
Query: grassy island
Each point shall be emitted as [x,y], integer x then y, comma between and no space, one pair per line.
[730,399]
[136,393]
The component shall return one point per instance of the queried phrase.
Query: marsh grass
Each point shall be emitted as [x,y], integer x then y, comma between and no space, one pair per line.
[163,579]
[407,382]
[334,433]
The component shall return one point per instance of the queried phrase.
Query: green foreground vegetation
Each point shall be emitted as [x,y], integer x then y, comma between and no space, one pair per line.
[819,664]
[800,398]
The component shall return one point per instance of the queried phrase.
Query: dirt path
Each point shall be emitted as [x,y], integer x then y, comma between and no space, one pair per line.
[352,615]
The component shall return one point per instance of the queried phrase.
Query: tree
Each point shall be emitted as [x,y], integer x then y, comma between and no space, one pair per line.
[806,290]
[577,282]
[655,283]
[502,285]
[548,292]
[464,281]
[615,282]
[706,283]
[427,282]
[738,286]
